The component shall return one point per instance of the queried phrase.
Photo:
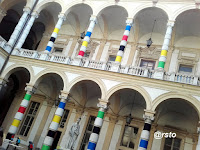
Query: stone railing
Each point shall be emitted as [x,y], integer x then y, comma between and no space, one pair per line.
[108,66]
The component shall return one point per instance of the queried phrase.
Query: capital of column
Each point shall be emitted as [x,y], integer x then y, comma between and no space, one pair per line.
[148,116]
[64,95]
[93,18]
[171,23]
[62,16]
[198,130]
[3,81]
[30,88]
[129,21]
[102,104]
[27,9]
[35,14]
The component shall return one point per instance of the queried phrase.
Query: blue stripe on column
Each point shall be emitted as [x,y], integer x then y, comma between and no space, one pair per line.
[128,27]
[88,34]
[62,105]
[143,143]
[48,48]
[91,146]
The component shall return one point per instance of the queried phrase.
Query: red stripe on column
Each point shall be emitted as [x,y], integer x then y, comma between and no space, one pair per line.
[125,37]
[22,109]
[81,53]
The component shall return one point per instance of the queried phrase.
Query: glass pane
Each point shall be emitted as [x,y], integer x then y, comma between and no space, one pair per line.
[30,111]
[33,105]
[168,141]
[27,120]
[184,68]
[111,58]
[131,145]
[177,143]
[26,133]
[31,121]
[22,130]
[90,127]
[147,64]
[167,147]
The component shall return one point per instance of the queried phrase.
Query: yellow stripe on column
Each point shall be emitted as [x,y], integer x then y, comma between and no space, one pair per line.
[118,58]
[85,43]
[56,30]
[16,122]
[56,119]
[163,53]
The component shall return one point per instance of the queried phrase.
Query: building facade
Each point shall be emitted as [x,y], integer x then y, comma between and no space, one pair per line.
[122,89]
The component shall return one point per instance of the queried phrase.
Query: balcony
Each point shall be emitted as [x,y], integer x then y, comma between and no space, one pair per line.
[108,66]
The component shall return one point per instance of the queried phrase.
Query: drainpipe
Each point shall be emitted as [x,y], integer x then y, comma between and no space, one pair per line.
[20,33]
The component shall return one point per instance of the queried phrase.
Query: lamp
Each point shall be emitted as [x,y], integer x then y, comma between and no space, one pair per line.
[149,41]
[83,35]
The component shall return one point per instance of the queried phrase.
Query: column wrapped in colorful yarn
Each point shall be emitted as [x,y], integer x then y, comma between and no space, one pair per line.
[144,137]
[97,127]
[93,21]
[165,47]
[19,115]
[55,32]
[48,141]
[123,43]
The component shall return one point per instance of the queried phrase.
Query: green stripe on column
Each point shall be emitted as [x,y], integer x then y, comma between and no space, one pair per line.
[161,64]
[100,114]
[27,97]
[45,147]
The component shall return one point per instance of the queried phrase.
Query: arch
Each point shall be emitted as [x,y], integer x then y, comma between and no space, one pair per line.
[142,7]
[97,81]
[15,67]
[181,10]
[194,102]
[133,87]
[67,9]
[39,76]
[106,5]
[45,3]
[8,4]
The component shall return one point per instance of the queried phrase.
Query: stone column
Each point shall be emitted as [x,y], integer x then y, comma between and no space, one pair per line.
[198,144]
[19,27]
[144,137]
[160,69]
[97,125]
[19,115]
[48,141]
[115,66]
[54,35]
[26,30]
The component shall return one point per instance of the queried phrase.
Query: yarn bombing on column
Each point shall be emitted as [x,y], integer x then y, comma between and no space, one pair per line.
[18,116]
[96,130]
[54,34]
[87,37]
[48,141]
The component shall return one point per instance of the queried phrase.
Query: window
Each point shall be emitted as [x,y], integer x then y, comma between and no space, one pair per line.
[185,68]
[59,50]
[129,137]
[88,131]
[150,64]
[172,144]
[111,58]
[64,118]
[28,119]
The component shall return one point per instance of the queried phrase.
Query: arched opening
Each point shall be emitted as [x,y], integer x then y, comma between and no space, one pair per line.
[43,27]
[126,104]
[85,95]
[10,94]
[11,19]
[178,116]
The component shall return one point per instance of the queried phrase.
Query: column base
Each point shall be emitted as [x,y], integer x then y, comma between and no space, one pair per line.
[159,74]
[5,144]
[77,61]
[115,67]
